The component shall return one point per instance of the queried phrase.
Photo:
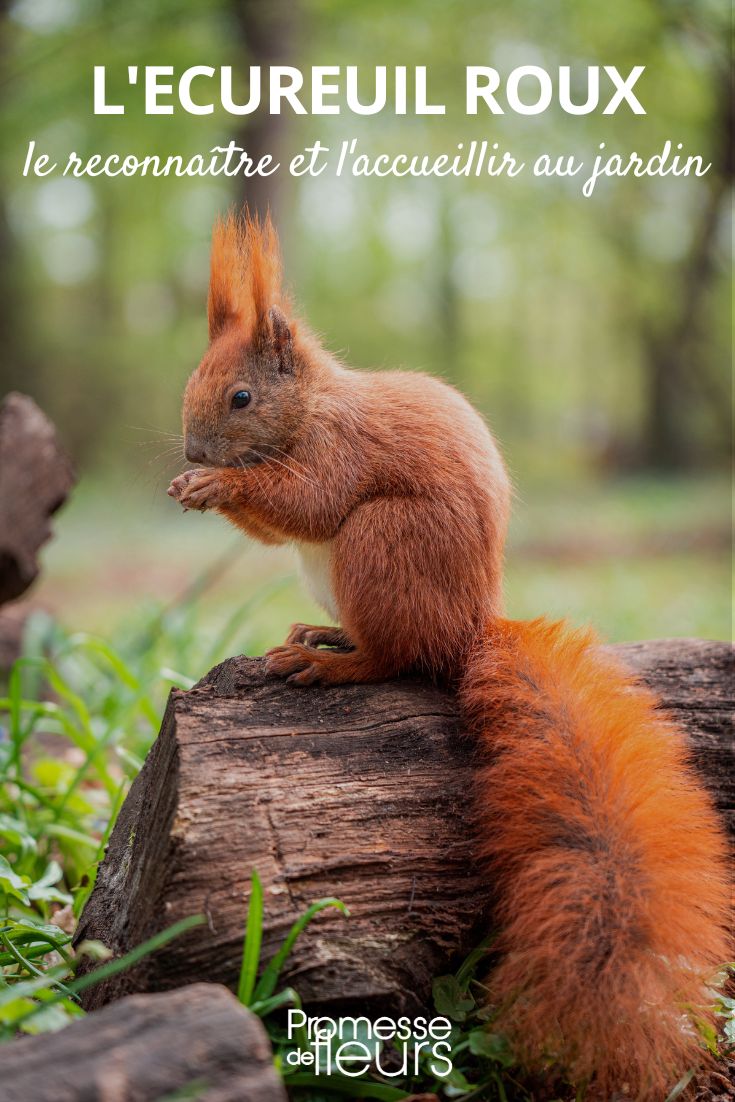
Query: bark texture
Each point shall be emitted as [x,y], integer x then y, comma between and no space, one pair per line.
[360,792]
[35,479]
[197,1042]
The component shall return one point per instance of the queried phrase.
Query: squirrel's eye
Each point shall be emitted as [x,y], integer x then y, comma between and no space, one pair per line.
[241,399]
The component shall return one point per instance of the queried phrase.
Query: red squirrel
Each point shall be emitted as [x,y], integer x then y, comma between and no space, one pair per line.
[608,855]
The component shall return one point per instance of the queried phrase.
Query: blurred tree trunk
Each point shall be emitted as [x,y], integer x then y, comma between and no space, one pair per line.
[678,373]
[17,370]
[268,32]
[448,306]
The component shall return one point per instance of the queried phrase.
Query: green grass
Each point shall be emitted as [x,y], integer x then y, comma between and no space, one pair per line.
[76,720]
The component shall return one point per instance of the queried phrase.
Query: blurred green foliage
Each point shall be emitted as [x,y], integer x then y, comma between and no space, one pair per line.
[548,309]
[593,333]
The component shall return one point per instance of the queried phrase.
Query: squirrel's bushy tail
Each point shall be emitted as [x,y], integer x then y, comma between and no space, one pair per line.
[608,856]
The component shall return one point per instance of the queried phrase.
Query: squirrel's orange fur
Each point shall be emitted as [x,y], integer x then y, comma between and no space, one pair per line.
[608,852]
[609,857]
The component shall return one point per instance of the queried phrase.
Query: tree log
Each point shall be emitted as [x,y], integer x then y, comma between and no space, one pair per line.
[35,479]
[360,792]
[198,1041]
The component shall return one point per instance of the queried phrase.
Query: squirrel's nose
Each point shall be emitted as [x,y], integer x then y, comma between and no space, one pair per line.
[194,450]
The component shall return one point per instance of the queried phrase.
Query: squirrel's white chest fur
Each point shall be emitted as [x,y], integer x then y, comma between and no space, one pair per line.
[316,569]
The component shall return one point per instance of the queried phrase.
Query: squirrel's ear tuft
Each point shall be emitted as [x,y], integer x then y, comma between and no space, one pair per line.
[281,340]
[245,276]
[262,257]
[225,276]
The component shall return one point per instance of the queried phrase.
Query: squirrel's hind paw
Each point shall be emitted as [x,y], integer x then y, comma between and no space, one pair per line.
[314,636]
[290,660]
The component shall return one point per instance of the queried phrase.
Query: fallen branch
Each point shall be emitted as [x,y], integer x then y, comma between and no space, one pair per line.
[198,1042]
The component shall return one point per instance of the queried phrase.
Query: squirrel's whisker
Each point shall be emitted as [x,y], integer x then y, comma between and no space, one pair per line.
[288,456]
[159,432]
[292,470]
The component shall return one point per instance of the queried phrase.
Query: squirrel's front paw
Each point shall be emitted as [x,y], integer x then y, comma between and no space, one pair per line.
[179,484]
[198,489]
